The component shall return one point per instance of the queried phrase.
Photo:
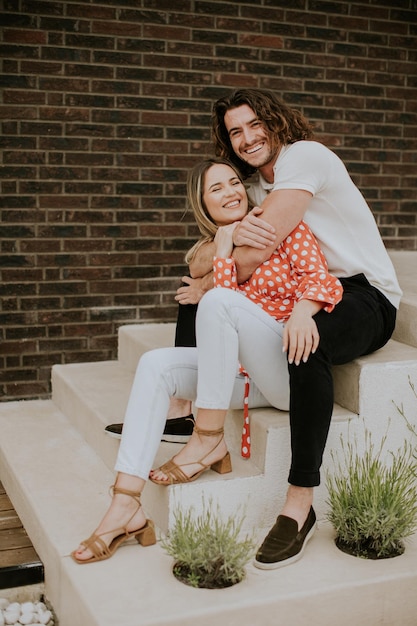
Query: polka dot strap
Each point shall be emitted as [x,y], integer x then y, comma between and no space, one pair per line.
[245,445]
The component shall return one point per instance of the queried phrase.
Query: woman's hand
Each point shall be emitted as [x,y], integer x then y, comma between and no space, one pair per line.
[301,337]
[194,289]
[254,232]
[224,240]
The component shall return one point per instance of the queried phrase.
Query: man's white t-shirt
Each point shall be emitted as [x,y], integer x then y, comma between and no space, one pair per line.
[338,214]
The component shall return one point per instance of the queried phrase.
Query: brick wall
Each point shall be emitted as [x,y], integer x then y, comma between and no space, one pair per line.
[107,103]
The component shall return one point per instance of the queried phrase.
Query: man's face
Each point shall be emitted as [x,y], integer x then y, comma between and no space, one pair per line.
[249,137]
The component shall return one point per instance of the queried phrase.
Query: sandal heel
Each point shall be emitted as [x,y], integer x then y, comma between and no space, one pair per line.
[224,466]
[147,535]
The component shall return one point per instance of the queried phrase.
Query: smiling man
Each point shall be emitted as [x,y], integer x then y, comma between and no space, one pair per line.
[300,178]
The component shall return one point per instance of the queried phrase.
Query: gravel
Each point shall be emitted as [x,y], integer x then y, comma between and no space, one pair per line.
[21,613]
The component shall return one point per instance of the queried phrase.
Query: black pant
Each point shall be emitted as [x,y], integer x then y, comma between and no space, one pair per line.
[361,323]
[185,329]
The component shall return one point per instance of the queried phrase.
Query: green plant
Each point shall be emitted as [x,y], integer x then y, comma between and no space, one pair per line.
[207,550]
[411,427]
[373,504]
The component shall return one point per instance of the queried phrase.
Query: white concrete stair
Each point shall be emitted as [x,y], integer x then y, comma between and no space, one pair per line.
[59,485]
[56,465]
[87,393]
[93,395]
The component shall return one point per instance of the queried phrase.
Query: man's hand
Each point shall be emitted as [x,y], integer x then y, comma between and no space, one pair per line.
[194,289]
[301,337]
[254,232]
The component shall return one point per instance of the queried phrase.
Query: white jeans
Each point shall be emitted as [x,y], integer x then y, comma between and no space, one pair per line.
[230,329]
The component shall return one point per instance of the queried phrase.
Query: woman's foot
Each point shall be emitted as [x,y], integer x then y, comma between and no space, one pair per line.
[123,515]
[202,451]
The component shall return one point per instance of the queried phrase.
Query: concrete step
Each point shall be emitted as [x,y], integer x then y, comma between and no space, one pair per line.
[59,486]
[405,263]
[135,339]
[92,395]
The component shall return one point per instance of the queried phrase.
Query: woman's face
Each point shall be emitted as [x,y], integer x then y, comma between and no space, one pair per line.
[224,195]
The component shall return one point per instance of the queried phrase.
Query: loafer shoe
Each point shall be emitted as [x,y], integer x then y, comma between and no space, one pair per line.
[114,430]
[284,543]
[177,430]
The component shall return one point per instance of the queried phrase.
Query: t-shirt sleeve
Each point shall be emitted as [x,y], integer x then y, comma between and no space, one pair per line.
[303,165]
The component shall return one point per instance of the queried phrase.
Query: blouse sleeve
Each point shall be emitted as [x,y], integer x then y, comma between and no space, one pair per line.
[224,273]
[310,266]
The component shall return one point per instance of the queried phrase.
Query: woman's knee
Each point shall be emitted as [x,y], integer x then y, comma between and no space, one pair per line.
[219,298]
[155,360]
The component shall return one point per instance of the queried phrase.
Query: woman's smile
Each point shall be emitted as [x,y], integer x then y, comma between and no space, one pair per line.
[224,195]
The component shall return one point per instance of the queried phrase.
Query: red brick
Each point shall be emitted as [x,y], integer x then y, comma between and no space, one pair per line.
[95,161]
[24,36]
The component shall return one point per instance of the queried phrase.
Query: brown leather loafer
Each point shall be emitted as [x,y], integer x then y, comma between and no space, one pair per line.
[284,543]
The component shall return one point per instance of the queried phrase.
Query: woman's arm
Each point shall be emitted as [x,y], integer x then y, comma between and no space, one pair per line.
[202,262]
[195,288]
[301,337]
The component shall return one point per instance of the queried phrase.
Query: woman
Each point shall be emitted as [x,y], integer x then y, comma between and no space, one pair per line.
[235,324]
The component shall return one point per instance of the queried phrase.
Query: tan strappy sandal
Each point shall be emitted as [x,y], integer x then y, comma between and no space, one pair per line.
[145,535]
[175,473]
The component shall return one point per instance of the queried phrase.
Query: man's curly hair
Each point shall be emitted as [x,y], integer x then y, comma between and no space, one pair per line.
[283,124]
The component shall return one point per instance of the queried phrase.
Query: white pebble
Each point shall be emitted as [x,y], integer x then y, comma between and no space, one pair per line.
[25,614]
[11,617]
[45,617]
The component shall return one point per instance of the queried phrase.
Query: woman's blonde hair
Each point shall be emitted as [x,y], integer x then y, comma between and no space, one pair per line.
[195,190]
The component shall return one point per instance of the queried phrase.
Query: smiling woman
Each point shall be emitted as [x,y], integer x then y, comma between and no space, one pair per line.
[215,185]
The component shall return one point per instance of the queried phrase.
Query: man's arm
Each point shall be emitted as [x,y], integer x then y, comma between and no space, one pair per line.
[194,289]
[255,232]
[283,210]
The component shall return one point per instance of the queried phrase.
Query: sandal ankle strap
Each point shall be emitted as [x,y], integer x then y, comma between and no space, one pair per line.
[126,492]
[208,433]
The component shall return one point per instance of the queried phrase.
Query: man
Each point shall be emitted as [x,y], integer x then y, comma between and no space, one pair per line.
[301,179]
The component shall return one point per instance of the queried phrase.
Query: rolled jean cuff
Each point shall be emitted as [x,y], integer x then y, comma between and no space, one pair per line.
[304,479]
[124,469]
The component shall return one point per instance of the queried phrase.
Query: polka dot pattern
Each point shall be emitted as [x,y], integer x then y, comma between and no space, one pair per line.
[297,270]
